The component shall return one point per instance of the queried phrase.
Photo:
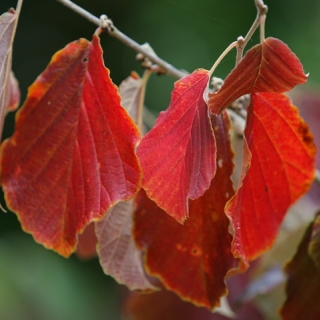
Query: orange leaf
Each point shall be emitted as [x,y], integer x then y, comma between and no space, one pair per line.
[177,156]
[278,167]
[192,260]
[267,67]
[72,154]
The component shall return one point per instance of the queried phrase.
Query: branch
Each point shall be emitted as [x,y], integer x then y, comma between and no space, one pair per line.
[262,11]
[114,32]
[169,69]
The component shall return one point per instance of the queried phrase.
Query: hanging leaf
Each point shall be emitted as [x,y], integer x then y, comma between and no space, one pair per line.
[118,254]
[267,67]
[278,168]
[132,97]
[9,90]
[72,154]
[303,284]
[132,92]
[192,260]
[177,156]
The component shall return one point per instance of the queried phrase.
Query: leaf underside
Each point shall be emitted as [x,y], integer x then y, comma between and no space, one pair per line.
[9,90]
[118,254]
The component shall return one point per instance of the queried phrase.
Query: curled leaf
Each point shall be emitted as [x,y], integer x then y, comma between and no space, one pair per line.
[267,67]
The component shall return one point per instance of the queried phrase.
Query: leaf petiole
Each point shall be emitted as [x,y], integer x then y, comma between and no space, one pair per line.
[262,11]
[224,53]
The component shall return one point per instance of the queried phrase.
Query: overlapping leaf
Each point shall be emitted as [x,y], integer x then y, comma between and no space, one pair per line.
[132,91]
[267,67]
[303,284]
[278,167]
[132,97]
[118,254]
[192,260]
[178,155]
[72,154]
[9,91]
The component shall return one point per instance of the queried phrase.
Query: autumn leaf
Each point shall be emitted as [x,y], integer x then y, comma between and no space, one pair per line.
[267,67]
[132,92]
[303,284]
[177,155]
[278,168]
[72,153]
[192,260]
[118,254]
[9,90]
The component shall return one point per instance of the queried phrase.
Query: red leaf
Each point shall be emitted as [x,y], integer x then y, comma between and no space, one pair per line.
[278,167]
[192,260]
[178,155]
[72,154]
[267,67]
[303,284]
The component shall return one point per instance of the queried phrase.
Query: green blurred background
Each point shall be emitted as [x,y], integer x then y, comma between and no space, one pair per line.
[38,284]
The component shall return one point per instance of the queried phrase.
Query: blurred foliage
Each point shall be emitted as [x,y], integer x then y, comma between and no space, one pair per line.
[39,284]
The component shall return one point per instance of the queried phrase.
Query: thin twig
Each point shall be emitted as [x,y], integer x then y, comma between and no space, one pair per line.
[170,70]
[19,5]
[262,10]
[224,53]
[262,27]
